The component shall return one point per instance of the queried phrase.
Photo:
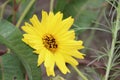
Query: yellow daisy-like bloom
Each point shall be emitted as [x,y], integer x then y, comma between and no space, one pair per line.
[52,40]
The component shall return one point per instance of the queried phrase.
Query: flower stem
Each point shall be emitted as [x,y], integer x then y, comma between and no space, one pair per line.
[25,12]
[80,73]
[114,36]
[2,8]
[51,5]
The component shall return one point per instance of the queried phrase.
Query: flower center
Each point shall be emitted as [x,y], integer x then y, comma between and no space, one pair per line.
[50,42]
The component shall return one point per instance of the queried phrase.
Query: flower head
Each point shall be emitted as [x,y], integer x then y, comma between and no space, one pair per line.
[52,40]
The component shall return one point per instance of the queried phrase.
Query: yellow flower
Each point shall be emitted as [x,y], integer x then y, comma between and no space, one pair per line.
[52,40]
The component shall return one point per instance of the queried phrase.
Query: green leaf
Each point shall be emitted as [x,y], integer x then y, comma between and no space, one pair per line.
[20,1]
[22,7]
[11,68]
[83,11]
[60,5]
[11,37]
[0,71]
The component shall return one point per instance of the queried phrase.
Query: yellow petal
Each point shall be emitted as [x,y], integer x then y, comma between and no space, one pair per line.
[29,29]
[44,17]
[35,21]
[50,70]
[77,54]
[60,62]
[70,35]
[72,52]
[49,58]
[52,22]
[33,40]
[41,58]
[71,44]
[67,23]
[70,60]
[63,26]
[49,63]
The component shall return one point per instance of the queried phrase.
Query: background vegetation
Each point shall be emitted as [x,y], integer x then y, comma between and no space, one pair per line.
[97,23]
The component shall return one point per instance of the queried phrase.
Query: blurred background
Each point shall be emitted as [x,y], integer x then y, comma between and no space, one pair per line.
[89,15]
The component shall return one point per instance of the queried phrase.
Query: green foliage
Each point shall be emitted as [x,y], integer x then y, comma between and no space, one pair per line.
[93,74]
[0,73]
[82,11]
[11,37]
[22,7]
[60,5]
[11,68]
[20,61]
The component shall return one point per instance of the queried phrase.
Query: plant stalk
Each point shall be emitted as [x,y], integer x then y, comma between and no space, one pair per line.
[2,8]
[111,54]
[25,12]
[51,5]
[80,73]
